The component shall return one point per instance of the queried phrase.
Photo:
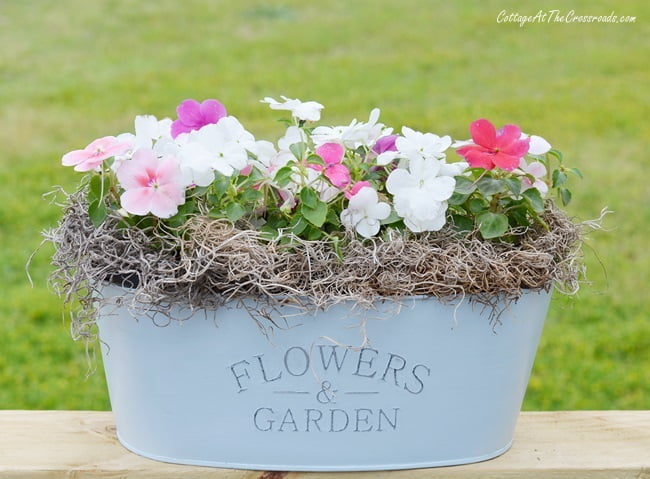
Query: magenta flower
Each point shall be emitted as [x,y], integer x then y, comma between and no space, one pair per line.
[192,115]
[152,185]
[384,144]
[92,156]
[502,149]
[332,154]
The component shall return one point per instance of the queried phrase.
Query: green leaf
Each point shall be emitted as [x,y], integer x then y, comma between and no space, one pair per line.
[476,205]
[184,211]
[576,172]
[535,199]
[276,222]
[298,150]
[462,223]
[97,212]
[393,217]
[458,198]
[317,215]
[313,234]
[234,211]
[198,191]
[557,154]
[518,216]
[492,225]
[298,225]
[333,217]
[309,197]
[315,160]
[565,196]
[559,178]
[489,186]
[514,185]
[283,176]
[98,188]
[464,185]
[250,195]
[221,184]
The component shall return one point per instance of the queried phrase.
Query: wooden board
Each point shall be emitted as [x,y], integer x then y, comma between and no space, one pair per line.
[577,444]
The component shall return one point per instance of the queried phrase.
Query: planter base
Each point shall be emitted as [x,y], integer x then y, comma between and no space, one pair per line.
[436,385]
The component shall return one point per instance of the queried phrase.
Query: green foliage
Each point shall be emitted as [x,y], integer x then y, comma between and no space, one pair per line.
[66,78]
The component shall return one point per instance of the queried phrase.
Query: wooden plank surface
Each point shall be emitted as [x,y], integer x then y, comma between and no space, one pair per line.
[577,444]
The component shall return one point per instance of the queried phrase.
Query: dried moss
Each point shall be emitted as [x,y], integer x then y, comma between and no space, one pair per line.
[210,262]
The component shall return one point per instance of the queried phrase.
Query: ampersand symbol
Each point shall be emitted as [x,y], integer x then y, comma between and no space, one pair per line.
[326,395]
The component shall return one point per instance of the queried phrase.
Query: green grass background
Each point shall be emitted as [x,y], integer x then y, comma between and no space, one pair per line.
[71,72]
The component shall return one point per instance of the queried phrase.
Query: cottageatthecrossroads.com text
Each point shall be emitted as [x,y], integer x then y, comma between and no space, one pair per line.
[557,16]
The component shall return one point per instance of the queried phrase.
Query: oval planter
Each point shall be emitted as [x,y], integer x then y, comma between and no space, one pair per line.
[435,385]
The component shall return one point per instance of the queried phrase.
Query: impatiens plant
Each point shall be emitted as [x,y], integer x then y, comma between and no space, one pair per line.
[319,182]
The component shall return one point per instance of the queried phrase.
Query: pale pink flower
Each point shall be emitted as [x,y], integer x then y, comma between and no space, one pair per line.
[95,153]
[538,171]
[332,154]
[193,115]
[151,185]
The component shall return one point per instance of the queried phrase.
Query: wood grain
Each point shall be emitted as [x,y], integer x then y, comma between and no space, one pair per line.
[80,444]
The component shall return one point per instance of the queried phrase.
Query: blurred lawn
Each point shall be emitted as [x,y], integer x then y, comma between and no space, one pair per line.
[71,72]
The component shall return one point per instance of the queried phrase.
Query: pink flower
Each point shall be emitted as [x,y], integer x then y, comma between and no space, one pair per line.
[192,115]
[503,149]
[92,156]
[332,154]
[152,185]
[356,188]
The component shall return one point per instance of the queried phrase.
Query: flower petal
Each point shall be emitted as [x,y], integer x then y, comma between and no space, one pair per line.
[400,180]
[339,175]
[163,205]
[368,227]
[331,153]
[137,201]
[483,133]
[75,157]
[440,188]
[189,112]
[506,162]
[507,135]
[477,156]
[212,111]
[538,145]
[380,211]
[536,168]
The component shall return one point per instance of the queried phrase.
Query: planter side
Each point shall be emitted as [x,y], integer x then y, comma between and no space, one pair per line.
[435,385]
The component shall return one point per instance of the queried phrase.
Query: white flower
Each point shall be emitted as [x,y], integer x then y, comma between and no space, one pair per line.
[420,193]
[538,171]
[537,145]
[452,169]
[291,136]
[386,158]
[221,147]
[419,212]
[196,164]
[354,135]
[265,153]
[414,144]
[308,111]
[148,131]
[365,212]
